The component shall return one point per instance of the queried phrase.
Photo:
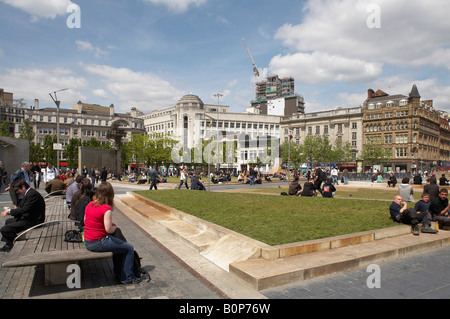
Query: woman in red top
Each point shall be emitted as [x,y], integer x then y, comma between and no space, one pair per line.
[98,227]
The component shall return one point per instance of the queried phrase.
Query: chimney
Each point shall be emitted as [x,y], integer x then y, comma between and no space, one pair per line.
[36,104]
[370,93]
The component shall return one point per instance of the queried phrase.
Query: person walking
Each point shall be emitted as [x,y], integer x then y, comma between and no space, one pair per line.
[22,173]
[36,170]
[93,175]
[183,179]
[153,176]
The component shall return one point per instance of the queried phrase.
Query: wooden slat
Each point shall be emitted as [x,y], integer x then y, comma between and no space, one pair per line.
[46,244]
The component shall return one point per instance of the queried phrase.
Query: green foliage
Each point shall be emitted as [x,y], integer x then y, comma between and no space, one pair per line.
[277,220]
[4,129]
[26,132]
[374,154]
[150,149]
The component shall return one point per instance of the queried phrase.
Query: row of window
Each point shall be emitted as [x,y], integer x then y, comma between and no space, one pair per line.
[62,131]
[390,127]
[65,120]
[373,106]
[375,116]
[318,129]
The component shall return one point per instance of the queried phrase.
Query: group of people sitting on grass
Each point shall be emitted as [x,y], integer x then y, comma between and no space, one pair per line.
[433,206]
[311,188]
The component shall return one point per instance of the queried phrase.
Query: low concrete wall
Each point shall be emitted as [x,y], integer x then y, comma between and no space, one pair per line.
[13,152]
[98,157]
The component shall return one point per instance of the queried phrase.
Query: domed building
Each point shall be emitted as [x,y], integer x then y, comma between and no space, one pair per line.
[191,121]
[190,101]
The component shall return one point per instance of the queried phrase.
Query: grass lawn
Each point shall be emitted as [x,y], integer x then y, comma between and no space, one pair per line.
[341,192]
[277,220]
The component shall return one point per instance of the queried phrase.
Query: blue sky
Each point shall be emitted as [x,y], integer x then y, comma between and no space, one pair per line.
[149,53]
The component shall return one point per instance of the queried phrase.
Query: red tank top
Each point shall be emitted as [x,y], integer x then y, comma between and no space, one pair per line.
[94,226]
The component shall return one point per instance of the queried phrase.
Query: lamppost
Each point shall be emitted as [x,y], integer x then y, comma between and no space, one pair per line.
[209,168]
[218,95]
[58,103]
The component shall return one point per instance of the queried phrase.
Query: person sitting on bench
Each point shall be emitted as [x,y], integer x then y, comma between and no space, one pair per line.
[29,212]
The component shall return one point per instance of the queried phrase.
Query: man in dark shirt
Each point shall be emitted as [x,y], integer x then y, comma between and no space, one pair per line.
[431,188]
[309,189]
[294,187]
[400,213]
[29,212]
[439,208]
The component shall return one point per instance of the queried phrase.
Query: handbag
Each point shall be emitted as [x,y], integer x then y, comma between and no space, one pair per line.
[73,236]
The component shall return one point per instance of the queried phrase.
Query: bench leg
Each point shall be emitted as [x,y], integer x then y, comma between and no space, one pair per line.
[56,274]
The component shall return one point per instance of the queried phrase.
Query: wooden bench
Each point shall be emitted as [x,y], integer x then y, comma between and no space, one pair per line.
[44,245]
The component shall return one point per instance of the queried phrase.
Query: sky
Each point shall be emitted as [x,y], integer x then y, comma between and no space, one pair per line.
[148,54]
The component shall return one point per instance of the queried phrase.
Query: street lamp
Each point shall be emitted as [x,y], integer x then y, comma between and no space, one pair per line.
[58,103]
[209,169]
[218,95]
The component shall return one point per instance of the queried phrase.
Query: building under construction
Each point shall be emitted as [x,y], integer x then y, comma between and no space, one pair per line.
[277,96]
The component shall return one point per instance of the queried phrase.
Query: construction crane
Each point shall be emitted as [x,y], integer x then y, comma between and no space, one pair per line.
[255,69]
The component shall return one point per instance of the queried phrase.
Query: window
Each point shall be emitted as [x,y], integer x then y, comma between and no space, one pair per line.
[354,136]
[401,152]
[354,126]
[325,129]
[388,139]
[317,130]
[401,139]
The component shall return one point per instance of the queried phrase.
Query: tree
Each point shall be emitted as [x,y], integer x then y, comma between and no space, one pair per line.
[26,131]
[374,154]
[4,129]
[72,152]
[48,152]
[117,134]
[150,149]
[36,152]
[342,152]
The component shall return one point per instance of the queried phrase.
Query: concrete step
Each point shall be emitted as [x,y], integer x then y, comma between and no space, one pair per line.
[263,266]
[195,238]
[217,244]
[263,273]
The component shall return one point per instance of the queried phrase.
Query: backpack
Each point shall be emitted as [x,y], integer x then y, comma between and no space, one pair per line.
[139,271]
[322,176]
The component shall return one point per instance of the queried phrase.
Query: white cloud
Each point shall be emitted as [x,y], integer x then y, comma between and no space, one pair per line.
[177,6]
[146,91]
[412,33]
[37,83]
[320,67]
[47,9]
[101,93]
[87,46]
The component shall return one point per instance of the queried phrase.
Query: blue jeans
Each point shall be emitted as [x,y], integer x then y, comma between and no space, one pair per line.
[116,246]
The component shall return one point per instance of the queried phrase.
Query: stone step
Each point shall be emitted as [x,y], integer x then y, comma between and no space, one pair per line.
[195,238]
[263,273]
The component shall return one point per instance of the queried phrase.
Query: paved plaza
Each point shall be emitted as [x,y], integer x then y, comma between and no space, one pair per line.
[178,272]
